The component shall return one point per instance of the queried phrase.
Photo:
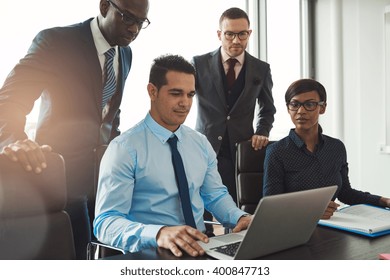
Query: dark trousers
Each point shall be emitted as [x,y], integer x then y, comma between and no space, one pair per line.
[81,225]
[227,171]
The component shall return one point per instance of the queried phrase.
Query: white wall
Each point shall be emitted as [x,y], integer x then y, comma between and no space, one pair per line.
[170,32]
[350,63]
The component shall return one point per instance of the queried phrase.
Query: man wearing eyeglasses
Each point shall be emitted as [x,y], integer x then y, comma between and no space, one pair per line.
[79,71]
[227,95]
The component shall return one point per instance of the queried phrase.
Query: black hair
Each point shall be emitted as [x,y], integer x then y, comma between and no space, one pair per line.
[305,85]
[233,13]
[162,64]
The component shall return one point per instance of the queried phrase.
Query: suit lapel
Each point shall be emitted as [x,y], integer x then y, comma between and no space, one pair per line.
[215,65]
[95,72]
[125,58]
[249,77]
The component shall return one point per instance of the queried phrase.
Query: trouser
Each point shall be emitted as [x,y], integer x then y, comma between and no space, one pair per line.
[227,171]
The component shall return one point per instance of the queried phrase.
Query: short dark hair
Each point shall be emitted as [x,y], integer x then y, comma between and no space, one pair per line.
[233,13]
[162,64]
[305,85]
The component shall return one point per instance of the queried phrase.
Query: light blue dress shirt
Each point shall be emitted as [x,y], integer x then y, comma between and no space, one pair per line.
[137,191]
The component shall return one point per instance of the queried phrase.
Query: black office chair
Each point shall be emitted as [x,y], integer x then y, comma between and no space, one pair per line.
[33,223]
[98,154]
[249,175]
[95,248]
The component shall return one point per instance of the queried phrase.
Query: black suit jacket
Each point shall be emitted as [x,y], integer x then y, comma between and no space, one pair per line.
[214,118]
[62,67]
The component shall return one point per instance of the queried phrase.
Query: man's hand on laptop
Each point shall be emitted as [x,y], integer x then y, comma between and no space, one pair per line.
[332,207]
[181,238]
[243,223]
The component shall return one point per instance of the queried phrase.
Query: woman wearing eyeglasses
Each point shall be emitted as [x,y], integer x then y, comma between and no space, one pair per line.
[308,159]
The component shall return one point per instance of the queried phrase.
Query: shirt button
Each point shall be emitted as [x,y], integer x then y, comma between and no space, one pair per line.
[228,118]
[219,137]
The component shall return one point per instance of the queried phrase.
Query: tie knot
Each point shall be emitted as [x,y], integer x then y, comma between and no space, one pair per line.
[110,53]
[232,62]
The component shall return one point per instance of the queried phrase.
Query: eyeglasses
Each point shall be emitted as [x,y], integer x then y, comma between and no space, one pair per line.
[130,20]
[308,105]
[242,35]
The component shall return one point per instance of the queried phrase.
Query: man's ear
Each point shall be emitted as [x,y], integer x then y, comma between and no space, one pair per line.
[152,90]
[103,6]
[219,34]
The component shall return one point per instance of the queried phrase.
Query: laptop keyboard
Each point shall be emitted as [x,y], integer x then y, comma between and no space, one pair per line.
[229,249]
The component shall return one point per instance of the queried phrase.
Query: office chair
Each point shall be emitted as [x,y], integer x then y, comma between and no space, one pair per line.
[249,175]
[98,154]
[33,223]
[95,248]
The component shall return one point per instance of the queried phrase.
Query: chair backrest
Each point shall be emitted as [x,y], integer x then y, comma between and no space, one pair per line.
[96,249]
[33,223]
[98,154]
[249,175]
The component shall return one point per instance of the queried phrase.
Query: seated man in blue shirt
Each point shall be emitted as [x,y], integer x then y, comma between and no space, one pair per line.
[138,204]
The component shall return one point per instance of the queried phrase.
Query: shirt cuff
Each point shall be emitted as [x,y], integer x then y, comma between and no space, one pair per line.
[237,215]
[149,235]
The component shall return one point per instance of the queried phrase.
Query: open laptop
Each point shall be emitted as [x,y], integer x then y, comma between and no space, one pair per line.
[280,222]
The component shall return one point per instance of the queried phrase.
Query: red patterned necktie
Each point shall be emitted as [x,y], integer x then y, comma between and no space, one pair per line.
[231,75]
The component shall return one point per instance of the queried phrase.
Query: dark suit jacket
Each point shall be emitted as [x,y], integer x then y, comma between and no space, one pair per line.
[62,66]
[213,116]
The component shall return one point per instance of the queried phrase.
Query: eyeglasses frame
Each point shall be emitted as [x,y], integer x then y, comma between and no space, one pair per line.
[236,34]
[136,20]
[318,103]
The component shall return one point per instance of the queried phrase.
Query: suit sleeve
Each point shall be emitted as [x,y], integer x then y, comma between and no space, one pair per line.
[266,109]
[23,86]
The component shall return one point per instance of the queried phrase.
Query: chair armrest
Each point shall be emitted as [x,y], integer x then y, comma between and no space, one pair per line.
[213,223]
[97,250]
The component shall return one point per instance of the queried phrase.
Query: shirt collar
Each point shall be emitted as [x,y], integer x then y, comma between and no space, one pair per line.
[161,132]
[225,57]
[296,139]
[100,42]
[300,143]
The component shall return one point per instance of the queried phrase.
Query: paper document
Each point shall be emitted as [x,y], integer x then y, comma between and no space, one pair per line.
[364,219]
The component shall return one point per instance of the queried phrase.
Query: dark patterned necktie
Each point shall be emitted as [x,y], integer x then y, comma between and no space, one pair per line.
[231,75]
[109,77]
[182,183]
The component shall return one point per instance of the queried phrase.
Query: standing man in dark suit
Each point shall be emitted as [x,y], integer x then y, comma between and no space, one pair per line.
[66,67]
[227,99]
